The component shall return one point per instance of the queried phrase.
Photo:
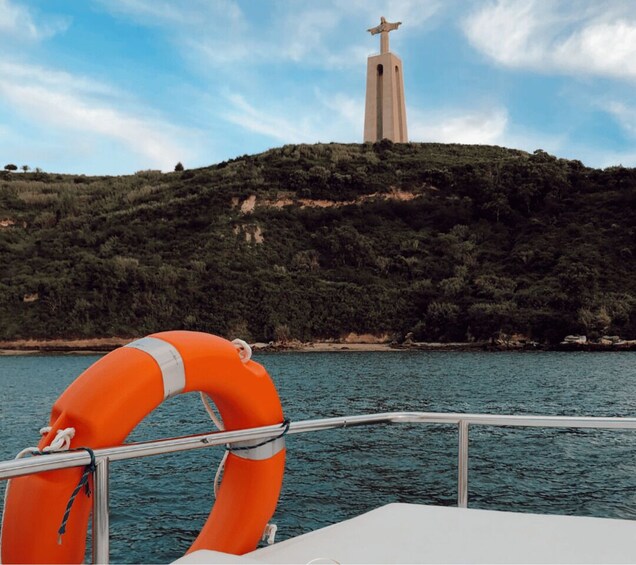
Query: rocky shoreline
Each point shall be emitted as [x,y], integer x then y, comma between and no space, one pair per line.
[104,345]
[37,346]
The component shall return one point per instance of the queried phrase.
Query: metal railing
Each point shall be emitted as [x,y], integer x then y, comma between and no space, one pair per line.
[28,466]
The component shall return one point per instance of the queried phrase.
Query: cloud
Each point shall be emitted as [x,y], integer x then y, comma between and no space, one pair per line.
[344,110]
[625,116]
[314,34]
[334,117]
[19,23]
[598,157]
[494,127]
[215,32]
[77,105]
[613,159]
[52,78]
[459,126]
[593,39]
[412,13]
[600,48]
[214,16]
[264,122]
[309,34]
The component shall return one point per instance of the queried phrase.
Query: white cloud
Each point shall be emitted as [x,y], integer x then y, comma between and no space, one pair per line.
[334,117]
[264,122]
[316,34]
[625,115]
[210,50]
[550,36]
[494,127]
[597,157]
[459,126]
[76,105]
[344,110]
[334,36]
[207,32]
[306,32]
[613,159]
[18,22]
[51,78]
[530,139]
[215,16]
[412,13]
[600,48]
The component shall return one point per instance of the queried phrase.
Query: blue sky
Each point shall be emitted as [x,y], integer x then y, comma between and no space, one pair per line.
[117,86]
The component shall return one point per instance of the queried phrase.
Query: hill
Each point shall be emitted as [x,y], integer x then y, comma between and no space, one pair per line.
[445,242]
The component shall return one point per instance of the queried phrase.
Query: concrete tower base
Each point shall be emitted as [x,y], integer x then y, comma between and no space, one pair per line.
[385,110]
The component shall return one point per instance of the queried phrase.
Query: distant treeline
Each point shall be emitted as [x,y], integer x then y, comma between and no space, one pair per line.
[444,242]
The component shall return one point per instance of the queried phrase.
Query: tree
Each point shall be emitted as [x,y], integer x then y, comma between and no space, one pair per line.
[25,168]
[345,245]
[178,167]
[10,167]
[490,318]
[441,320]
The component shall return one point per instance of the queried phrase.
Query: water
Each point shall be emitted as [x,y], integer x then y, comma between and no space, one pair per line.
[159,504]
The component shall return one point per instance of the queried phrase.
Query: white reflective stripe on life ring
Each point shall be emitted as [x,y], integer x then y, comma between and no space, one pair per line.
[169,360]
[258,453]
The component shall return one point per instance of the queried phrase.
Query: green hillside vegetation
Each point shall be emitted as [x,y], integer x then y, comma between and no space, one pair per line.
[447,242]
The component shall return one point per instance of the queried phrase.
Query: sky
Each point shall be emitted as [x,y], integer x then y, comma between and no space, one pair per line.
[118,86]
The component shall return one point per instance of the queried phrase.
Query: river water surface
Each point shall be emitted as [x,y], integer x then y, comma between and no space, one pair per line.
[159,504]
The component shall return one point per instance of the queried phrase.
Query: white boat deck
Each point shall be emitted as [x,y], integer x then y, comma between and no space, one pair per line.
[412,533]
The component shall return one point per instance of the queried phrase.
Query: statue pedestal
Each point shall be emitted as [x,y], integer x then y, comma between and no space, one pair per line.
[385,110]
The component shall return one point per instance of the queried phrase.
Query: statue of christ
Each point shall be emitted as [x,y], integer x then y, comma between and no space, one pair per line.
[383,29]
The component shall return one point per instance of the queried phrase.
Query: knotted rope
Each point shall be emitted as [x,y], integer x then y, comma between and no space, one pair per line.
[83,482]
[62,443]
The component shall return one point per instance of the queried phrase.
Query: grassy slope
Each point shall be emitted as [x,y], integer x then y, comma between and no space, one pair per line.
[490,240]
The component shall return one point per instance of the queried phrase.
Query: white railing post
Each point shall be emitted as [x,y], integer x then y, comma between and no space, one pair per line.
[101,517]
[462,465]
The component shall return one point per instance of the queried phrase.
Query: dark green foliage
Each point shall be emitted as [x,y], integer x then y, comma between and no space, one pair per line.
[447,242]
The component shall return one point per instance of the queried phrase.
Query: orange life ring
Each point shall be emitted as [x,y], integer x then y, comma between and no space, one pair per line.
[109,399]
